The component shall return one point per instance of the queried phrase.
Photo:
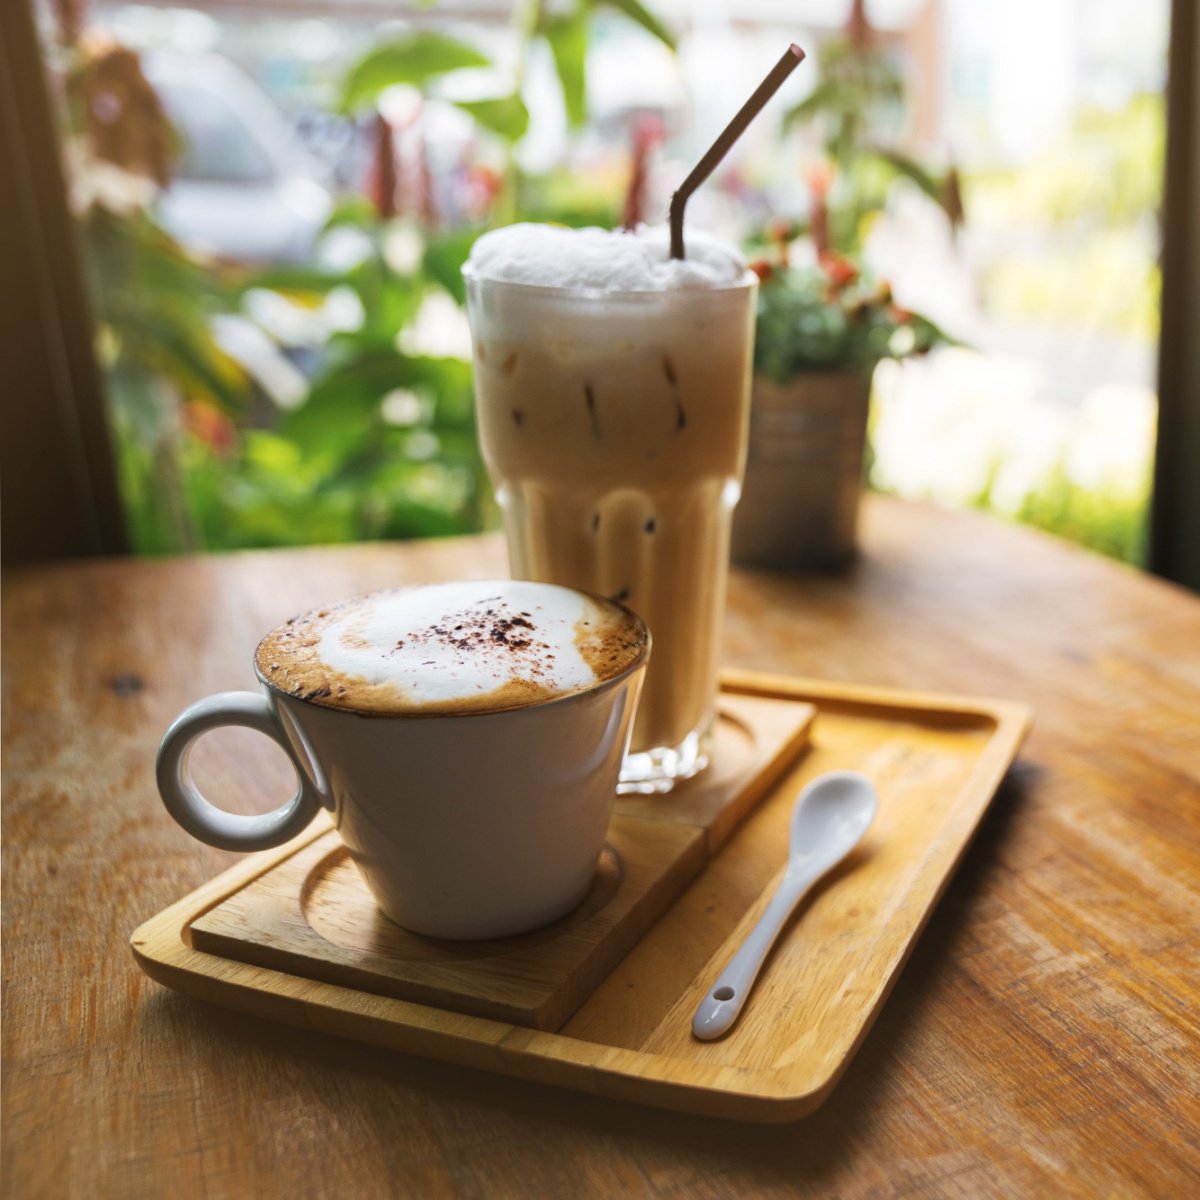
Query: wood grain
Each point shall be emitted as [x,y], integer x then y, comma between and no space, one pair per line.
[1041,1041]
[936,764]
[312,915]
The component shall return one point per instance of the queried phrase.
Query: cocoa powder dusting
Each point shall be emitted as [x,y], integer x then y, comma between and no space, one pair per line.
[474,630]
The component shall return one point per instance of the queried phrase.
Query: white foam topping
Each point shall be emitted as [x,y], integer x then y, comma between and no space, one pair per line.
[604,260]
[451,643]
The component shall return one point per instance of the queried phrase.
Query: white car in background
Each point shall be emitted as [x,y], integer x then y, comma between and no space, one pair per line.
[245,189]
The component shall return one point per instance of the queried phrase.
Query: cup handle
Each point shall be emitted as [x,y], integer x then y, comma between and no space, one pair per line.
[202,819]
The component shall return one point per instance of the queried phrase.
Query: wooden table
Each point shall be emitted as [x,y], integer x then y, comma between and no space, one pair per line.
[1041,1041]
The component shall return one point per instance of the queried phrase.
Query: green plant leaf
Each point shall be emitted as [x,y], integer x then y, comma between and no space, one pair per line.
[408,518]
[413,59]
[828,95]
[342,417]
[356,211]
[903,165]
[395,303]
[802,326]
[292,279]
[341,413]
[185,353]
[638,13]
[447,378]
[444,257]
[506,115]
[568,40]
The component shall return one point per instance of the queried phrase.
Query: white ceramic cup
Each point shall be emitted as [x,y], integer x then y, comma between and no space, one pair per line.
[463,824]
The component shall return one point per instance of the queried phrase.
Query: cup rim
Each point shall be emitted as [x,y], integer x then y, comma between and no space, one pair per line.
[748,281]
[592,689]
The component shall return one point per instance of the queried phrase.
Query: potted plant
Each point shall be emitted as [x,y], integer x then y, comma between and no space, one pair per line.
[822,329]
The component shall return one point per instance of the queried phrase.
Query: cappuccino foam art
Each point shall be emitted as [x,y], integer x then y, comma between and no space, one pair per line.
[456,647]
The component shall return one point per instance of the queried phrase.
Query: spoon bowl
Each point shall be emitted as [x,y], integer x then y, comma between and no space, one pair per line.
[831,815]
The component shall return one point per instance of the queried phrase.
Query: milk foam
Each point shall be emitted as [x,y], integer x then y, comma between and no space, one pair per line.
[446,647]
[604,260]
[391,642]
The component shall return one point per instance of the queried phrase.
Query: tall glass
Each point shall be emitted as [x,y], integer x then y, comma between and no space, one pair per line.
[614,430]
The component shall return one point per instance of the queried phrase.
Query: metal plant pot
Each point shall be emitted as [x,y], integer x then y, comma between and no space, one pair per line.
[799,505]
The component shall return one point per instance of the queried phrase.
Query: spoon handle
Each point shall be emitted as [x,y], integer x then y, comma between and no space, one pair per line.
[723,1002]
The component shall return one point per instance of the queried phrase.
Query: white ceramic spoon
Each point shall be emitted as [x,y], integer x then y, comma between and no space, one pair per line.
[831,815]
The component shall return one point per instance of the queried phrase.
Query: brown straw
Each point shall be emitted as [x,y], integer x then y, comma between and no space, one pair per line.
[792,58]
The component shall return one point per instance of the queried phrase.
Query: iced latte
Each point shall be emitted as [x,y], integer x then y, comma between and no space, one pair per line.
[612,386]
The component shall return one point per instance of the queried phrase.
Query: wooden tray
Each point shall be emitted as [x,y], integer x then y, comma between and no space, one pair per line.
[310,913]
[621,1012]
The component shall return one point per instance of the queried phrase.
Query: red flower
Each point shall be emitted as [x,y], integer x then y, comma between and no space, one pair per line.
[819,176]
[841,271]
[763,269]
[210,426]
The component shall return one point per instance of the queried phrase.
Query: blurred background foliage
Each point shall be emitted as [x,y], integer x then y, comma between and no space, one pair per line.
[301,403]
[320,390]
[1087,199]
